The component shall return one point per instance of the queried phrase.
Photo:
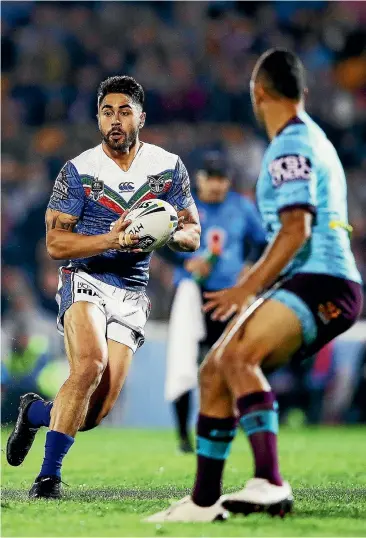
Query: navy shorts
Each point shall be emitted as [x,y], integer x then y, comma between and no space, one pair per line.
[326,306]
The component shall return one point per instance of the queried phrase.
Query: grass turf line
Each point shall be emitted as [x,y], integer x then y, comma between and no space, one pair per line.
[117,477]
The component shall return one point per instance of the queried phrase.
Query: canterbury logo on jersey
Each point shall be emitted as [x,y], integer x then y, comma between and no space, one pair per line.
[126,186]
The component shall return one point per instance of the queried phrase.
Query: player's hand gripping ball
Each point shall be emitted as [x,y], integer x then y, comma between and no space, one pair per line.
[155,222]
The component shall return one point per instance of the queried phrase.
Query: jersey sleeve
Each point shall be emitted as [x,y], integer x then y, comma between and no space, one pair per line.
[293,176]
[68,192]
[179,195]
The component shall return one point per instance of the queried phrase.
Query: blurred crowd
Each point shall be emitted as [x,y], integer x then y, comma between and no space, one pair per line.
[194,60]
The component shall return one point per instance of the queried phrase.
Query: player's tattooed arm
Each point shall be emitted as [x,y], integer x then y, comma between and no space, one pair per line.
[55,220]
[64,245]
[188,234]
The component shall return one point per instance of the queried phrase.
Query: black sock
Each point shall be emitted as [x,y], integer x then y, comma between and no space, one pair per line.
[214,437]
[182,407]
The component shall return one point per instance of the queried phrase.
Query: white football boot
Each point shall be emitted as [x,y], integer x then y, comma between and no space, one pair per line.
[259,495]
[186,511]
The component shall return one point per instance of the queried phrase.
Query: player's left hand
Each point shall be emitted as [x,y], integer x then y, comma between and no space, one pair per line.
[226,303]
[124,242]
[180,226]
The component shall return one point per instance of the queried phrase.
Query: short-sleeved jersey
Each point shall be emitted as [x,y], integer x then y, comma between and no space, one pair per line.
[301,169]
[95,189]
[231,224]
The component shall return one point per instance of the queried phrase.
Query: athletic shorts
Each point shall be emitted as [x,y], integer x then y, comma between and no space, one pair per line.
[326,306]
[126,311]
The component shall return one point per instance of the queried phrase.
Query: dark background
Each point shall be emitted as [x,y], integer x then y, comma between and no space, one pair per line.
[194,60]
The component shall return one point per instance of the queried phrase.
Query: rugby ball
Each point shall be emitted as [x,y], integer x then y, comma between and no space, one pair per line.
[155,221]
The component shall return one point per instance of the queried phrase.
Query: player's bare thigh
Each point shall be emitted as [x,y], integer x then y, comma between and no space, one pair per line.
[106,394]
[269,335]
[85,335]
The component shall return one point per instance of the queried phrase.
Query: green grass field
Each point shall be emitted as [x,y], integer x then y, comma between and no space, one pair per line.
[117,477]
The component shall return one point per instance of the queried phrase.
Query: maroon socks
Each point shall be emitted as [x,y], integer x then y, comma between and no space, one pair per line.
[259,420]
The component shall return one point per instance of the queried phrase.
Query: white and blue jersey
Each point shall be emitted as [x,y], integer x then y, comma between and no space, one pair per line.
[234,225]
[95,189]
[301,169]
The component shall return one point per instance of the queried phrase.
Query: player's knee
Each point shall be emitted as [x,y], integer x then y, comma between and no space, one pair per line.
[211,380]
[237,360]
[215,399]
[208,372]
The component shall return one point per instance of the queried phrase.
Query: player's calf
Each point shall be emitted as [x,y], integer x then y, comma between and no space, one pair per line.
[106,394]
[71,404]
[68,413]
[216,429]
[95,414]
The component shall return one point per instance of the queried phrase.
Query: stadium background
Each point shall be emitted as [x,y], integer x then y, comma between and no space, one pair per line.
[194,60]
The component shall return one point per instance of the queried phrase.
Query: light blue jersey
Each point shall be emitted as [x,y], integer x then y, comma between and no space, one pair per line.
[301,168]
[236,225]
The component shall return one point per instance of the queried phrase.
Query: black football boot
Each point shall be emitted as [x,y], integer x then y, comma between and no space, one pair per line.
[22,437]
[46,487]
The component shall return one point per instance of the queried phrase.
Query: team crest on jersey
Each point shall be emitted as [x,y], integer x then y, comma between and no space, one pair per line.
[97,189]
[328,311]
[157,183]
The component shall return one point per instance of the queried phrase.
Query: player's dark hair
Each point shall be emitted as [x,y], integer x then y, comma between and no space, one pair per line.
[122,84]
[283,71]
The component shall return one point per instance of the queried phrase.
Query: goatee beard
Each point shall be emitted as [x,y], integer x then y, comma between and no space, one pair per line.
[124,146]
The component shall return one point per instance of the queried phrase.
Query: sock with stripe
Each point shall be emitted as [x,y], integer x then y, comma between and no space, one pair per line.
[259,420]
[39,413]
[56,448]
[214,438]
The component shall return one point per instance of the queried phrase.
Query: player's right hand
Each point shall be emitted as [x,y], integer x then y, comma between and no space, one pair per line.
[121,240]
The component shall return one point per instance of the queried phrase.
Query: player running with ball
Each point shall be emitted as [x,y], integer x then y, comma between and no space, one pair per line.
[102,302]
[314,294]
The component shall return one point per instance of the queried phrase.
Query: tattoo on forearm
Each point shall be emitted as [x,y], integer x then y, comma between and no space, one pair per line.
[66,225]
